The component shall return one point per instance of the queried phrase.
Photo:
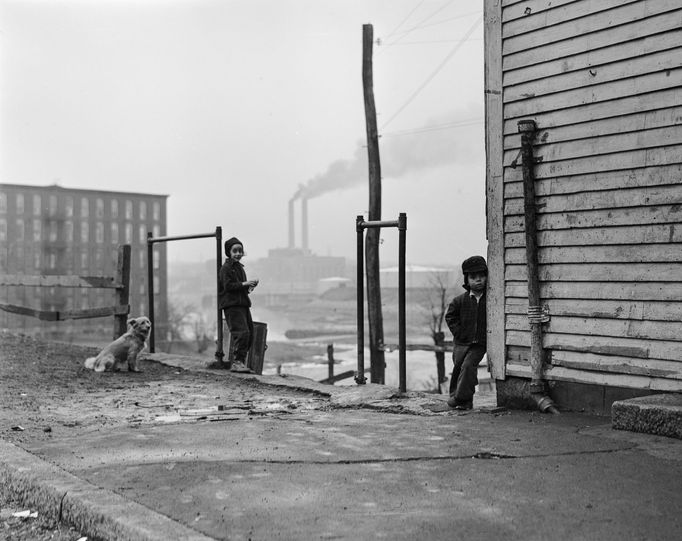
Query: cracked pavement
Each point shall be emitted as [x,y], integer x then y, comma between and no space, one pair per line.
[189,453]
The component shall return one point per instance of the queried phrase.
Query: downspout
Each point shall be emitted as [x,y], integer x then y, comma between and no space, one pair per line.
[536,318]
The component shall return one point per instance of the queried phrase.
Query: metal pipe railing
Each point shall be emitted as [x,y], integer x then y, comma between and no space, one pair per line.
[360,226]
[218,234]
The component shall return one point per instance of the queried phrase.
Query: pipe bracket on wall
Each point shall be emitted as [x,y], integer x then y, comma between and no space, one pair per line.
[539,314]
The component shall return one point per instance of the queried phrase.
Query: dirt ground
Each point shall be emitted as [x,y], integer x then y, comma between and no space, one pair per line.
[46,391]
[46,388]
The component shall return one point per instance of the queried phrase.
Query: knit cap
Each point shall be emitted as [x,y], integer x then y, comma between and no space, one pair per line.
[229,243]
[474,264]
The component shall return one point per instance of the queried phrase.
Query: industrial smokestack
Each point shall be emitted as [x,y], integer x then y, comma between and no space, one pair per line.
[292,237]
[304,224]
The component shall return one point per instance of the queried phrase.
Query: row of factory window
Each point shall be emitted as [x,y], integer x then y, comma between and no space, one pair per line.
[43,260]
[52,207]
[52,227]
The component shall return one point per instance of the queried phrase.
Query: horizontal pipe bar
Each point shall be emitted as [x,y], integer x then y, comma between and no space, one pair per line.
[392,223]
[152,240]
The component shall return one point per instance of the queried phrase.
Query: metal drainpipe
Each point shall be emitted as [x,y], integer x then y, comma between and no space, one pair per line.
[538,392]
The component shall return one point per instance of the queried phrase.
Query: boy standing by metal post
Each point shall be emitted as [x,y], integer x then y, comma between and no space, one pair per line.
[233,298]
[466,319]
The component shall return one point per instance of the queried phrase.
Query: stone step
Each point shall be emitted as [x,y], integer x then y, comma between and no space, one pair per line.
[659,414]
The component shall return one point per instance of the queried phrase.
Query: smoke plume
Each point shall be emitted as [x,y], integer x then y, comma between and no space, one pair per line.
[401,153]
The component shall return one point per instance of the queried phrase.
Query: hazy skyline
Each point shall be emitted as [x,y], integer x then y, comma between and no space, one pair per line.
[232,107]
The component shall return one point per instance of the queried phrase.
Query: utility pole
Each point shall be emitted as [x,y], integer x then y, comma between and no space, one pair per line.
[376,319]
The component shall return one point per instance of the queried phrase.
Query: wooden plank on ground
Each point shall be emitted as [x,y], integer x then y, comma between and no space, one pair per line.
[340,377]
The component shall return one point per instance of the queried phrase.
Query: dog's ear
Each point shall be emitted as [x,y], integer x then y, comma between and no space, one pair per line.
[132,322]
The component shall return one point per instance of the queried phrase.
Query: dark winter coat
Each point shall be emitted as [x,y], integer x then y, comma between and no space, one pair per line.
[231,292]
[466,320]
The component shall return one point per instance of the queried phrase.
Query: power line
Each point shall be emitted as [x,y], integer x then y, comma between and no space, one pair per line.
[421,26]
[446,126]
[431,42]
[421,23]
[435,72]
[415,8]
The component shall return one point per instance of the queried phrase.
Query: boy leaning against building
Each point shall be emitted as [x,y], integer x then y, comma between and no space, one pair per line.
[466,319]
[233,299]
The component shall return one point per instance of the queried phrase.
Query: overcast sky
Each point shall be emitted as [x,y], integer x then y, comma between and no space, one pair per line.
[231,107]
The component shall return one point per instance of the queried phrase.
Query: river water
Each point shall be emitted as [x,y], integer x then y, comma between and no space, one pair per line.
[420,368]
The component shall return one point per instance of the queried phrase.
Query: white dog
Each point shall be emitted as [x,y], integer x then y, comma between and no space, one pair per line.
[124,349]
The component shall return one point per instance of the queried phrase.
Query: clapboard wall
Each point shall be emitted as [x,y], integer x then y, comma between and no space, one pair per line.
[603,82]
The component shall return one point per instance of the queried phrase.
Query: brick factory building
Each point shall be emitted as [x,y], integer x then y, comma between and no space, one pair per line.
[51,230]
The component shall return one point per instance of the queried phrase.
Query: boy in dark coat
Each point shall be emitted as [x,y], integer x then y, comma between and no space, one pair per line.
[466,319]
[233,299]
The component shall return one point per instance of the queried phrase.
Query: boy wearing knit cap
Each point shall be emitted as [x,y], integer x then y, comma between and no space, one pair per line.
[466,319]
[233,299]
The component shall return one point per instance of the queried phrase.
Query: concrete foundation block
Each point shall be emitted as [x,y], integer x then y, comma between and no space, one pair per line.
[659,414]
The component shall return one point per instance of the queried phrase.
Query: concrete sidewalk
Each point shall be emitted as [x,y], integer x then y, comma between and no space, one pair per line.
[358,462]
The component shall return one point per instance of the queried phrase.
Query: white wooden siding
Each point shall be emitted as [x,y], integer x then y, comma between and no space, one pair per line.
[603,81]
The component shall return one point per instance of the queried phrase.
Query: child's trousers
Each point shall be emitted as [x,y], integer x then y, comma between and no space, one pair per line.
[465,372]
[240,324]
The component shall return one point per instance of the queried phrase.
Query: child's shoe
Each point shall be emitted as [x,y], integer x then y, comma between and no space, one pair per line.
[220,365]
[239,366]
[459,405]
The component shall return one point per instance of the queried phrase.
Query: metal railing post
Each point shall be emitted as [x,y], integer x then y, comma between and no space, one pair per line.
[360,226]
[219,353]
[402,229]
[150,281]
[150,289]
[360,376]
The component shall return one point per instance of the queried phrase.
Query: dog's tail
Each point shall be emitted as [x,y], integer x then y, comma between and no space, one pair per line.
[90,362]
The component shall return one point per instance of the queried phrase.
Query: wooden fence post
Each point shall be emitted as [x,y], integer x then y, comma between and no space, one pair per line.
[123,292]
[330,361]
